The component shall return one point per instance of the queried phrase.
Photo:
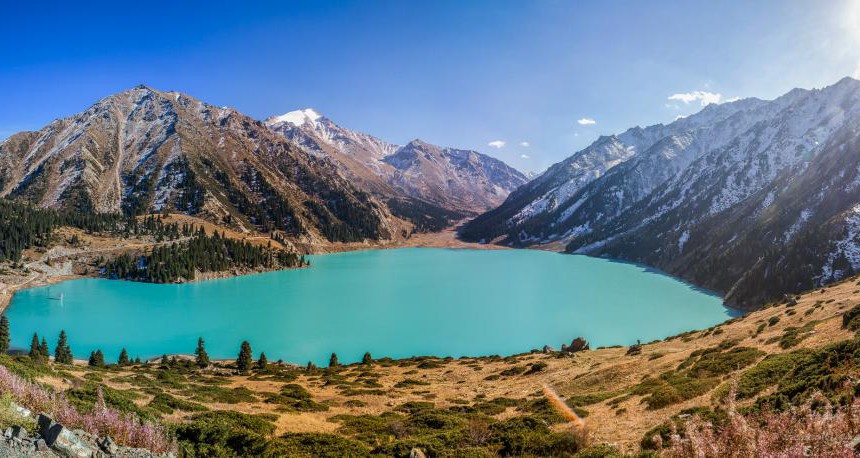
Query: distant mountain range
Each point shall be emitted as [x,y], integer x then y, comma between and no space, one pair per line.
[751,198]
[145,150]
[428,184]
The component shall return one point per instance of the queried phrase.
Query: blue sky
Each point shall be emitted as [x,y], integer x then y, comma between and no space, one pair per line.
[469,74]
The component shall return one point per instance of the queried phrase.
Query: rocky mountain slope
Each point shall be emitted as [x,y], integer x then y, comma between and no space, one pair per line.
[146,150]
[751,198]
[421,182]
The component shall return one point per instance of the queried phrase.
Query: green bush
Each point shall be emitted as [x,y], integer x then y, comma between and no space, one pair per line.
[407,382]
[166,404]
[794,335]
[851,318]
[313,445]
[511,371]
[769,372]
[217,394]
[225,433]
[697,375]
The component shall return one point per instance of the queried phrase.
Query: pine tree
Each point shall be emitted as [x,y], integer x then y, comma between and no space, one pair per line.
[311,366]
[332,362]
[35,352]
[43,348]
[366,359]
[63,354]
[164,360]
[97,359]
[4,335]
[262,362]
[245,359]
[123,358]
[202,358]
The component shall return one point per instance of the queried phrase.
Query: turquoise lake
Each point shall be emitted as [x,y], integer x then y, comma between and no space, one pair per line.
[398,303]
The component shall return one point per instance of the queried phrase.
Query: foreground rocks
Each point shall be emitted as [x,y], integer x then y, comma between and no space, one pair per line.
[55,440]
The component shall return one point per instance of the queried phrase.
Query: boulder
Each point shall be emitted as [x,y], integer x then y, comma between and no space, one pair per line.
[41,445]
[19,432]
[416,453]
[854,444]
[108,445]
[21,410]
[61,439]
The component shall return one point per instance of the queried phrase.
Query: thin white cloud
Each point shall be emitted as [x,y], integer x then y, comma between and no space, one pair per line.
[586,122]
[498,144]
[525,144]
[703,97]
[856,74]
[525,156]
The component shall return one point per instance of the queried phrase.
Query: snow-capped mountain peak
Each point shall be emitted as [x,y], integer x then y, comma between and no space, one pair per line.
[296,117]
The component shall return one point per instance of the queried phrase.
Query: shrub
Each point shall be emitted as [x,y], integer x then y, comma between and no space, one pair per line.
[536,367]
[220,432]
[312,445]
[102,420]
[851,318]
[165,403]
[793,335]
[410,382]
[590,398]
[294,397]
[798,431]
[511,371]
[204,393]
[769,372]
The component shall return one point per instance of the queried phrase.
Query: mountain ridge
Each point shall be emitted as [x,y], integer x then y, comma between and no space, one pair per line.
[441,183]
[144,150]
[661,204]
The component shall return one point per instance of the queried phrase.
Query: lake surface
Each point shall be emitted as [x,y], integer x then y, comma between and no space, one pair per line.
[398,303]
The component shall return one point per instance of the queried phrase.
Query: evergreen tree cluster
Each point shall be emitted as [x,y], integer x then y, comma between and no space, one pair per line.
[202,253]
[63,353]
[4,335]
[97,359]
[39,351]
[23,225]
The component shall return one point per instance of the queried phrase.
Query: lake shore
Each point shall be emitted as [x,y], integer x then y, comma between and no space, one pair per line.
[43,271]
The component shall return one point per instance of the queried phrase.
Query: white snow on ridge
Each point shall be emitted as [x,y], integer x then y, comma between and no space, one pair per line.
[297,117]
[849,247]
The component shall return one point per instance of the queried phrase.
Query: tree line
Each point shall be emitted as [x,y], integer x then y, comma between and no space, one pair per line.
[40,353]
[201,253]
[24,225]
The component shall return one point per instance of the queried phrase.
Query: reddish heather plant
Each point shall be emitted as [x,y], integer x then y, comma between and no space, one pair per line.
[816,428]
[125,429]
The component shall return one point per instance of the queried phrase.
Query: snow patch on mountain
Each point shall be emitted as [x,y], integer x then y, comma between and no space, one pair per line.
[296,117]
[848,248]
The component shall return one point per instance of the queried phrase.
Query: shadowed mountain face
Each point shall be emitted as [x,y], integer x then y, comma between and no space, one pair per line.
[427,184]
[751,198]
[145,150]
